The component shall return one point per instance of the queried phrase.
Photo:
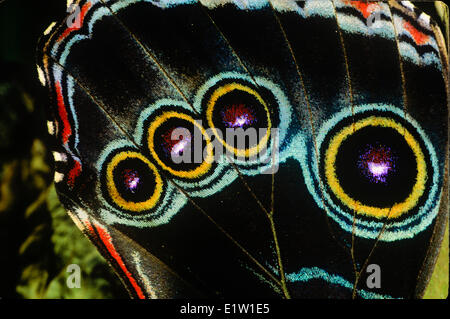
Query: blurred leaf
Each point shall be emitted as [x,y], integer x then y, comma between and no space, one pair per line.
[438,286]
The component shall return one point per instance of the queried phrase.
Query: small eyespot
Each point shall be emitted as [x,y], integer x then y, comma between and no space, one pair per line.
[132,182]
[240,118]
[180,145]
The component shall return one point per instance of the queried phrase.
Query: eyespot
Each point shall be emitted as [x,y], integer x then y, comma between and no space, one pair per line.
[180,145]
[376,167]
[235,105]
[378,163]
[132,182]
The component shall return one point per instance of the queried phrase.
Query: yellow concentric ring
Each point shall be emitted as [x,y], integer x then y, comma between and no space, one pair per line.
[221,91]
[397,209]
[194,173]
[114,193]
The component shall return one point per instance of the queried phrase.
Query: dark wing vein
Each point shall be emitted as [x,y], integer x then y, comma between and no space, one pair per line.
[358,273]
[241,176]
[313,134]
[347,68]
[152,57]
[400,61]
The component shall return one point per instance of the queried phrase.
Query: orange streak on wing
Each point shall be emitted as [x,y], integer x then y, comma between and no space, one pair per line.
[419,37]
[366,8]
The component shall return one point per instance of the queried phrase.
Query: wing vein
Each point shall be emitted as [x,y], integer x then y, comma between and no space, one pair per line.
[308,106]
[347,67]
[151,56]
[402,72]
[358,274]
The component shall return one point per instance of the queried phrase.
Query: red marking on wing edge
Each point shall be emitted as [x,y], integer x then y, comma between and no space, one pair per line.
[66,131]
[107,240]
[74,172]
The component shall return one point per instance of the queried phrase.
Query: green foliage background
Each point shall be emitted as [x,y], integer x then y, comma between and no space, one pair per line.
[37,238]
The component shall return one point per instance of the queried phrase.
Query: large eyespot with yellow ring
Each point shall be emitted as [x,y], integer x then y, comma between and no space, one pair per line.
[180,144]
[376,165]
[374,171]
[239,116]
[131,182]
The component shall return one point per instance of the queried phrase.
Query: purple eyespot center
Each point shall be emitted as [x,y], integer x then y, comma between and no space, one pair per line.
[131,179]
[377,163]
[175,145]
[237,116]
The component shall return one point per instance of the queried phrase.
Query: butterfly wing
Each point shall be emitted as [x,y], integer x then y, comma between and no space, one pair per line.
[352,97]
